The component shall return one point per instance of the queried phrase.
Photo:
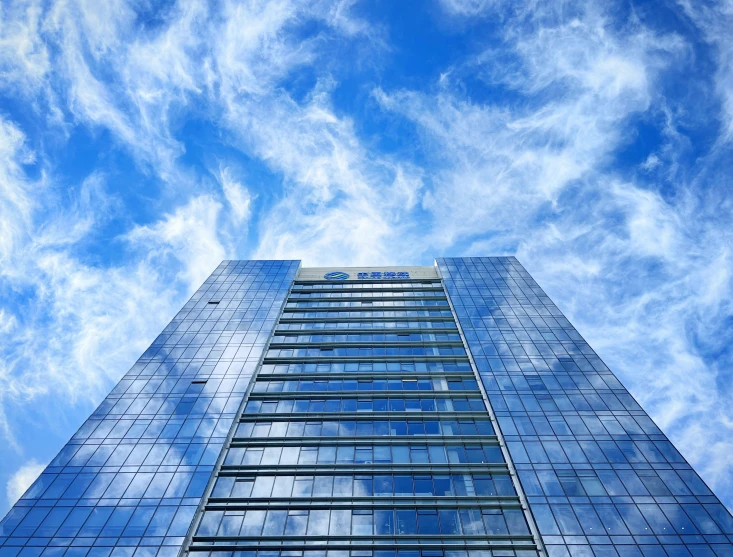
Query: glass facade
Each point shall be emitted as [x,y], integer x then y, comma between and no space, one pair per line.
[131,479]
[365,434]
[451,411]
[601,479]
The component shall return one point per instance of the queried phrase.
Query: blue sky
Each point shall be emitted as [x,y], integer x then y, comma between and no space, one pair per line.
[142,142]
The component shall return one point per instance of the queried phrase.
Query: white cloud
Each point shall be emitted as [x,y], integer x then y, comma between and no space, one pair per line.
[16,203]
[62,319]
[111,75]
[651,162]
[527,172]
[187,236]
[468,8]
[652,279]
[514,162]
[237,196]
[79,323]
[24,58]
[631,267]
[714,20]
[7,322]
[341,203]
[22,479]
[67,346]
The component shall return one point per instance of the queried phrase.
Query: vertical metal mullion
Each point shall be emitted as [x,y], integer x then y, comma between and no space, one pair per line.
[504,450]
[227,442]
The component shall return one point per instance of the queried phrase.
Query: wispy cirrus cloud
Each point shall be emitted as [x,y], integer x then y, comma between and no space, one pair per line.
[162,138]
[164,227]
[22,479]
[642,271]
[713,21]
[237,196]
[186,238]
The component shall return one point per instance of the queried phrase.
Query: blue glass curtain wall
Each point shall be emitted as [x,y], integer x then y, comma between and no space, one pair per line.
[365,433]
[601,478]
[130,480]
[368,439]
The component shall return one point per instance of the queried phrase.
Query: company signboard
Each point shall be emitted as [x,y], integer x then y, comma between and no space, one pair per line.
[367,273]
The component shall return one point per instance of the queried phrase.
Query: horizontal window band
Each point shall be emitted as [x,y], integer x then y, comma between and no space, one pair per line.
[385,438]
[379,468]
[436,301]
[428,311]
[448,440]
[375,503]
[365,503]
[233,321]
[401,280]
[324,395]
[365,284]
[361,331]
[366,344]
[448,358]
[360,375]
[305,416]
[367,295]
[350,319]
[415,441]
[367,309]
[342,287]
[281,550]
[374,287]
[380,543]
[368,298]
[424,374]
[367,325]
[286,540]
[359,337]
[390,361]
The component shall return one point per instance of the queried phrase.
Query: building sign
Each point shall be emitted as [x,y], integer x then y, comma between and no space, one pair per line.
[371,275]
[384,275]
[354,274]
[336,275]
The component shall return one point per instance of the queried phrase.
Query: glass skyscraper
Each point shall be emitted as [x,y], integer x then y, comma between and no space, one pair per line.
[445,411]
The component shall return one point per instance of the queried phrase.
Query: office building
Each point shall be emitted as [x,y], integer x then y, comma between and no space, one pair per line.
[444,411]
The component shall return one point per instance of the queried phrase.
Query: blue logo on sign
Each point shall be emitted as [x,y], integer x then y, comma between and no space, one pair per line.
[336,275]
